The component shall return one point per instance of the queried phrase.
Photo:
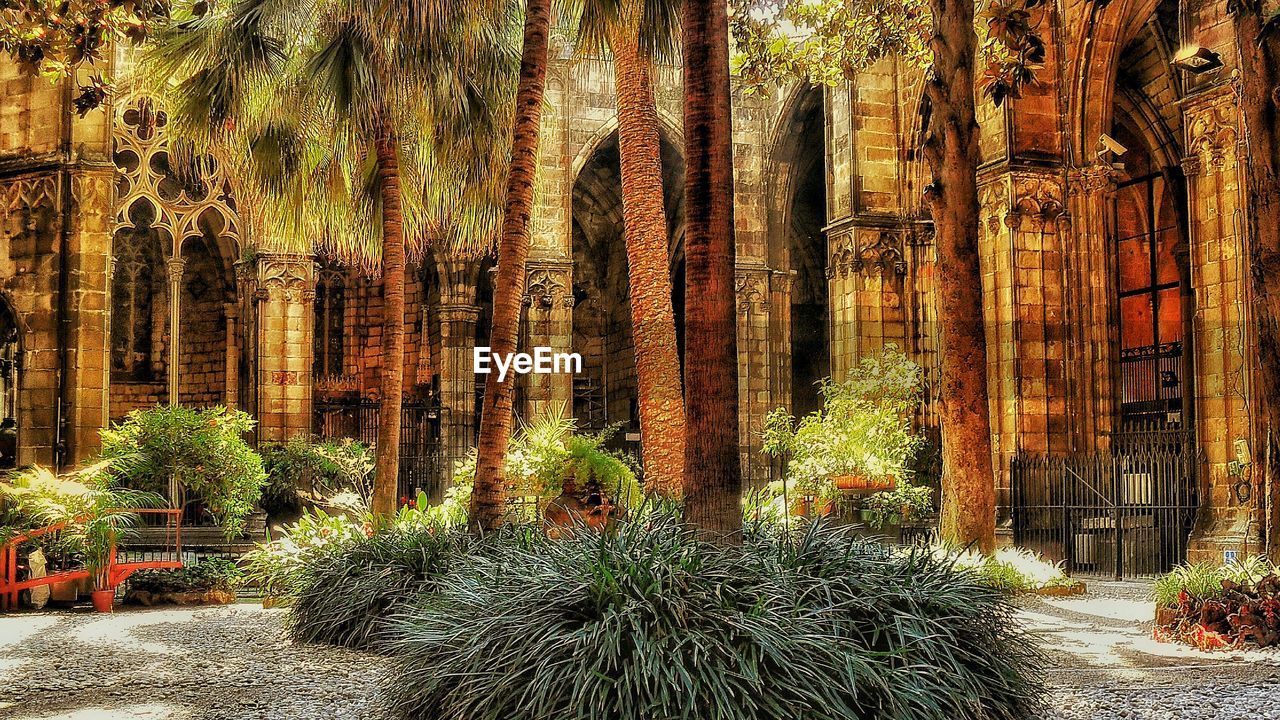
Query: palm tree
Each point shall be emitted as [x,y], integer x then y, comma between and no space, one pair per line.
[488,498]
[713,471]
[638,32]
[364,128]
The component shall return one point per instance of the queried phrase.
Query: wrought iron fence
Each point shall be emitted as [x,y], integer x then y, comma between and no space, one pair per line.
[420,446]
[1124,512]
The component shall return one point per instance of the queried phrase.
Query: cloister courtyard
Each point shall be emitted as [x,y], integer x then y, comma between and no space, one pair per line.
[640,359]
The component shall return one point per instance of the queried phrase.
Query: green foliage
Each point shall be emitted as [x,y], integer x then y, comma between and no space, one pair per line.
[202,451]
[310,471]
[1013,570]
[904,503]
[828,42]
[546,450]
[95,512]
[346,597]
[863,429]
[207,574]
[648,622]
[1204,581]
[276,567]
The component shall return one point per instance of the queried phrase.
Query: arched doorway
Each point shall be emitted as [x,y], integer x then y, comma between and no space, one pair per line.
[10,367]
[605,392]
[800,247]
[1153,289]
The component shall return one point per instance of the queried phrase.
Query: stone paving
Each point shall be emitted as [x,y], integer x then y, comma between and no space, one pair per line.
[1106,666]
[233,663]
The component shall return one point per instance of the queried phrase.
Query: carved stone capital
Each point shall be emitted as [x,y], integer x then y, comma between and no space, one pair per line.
[287,276]
[881,253]
[547,286]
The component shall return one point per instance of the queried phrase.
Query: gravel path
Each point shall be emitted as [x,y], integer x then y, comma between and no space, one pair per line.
[217,663]
[1106,666]
[232,663]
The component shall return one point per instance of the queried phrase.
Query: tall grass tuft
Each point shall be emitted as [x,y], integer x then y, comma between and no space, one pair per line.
[345,597]
[648,622]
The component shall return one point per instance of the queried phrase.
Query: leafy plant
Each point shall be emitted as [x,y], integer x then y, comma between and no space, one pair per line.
[207,574]
[310,471]
[902,504]
[346,597]
[863,429]
[276,567]
[1217,606]
[176,450]
[646,621]
[1011,570]
[96,514]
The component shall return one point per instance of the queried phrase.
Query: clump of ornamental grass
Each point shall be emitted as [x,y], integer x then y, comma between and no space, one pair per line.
[646,621]
[346,596]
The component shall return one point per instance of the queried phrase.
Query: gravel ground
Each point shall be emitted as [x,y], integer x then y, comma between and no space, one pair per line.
[217,663]
[1105,666]
[232,663]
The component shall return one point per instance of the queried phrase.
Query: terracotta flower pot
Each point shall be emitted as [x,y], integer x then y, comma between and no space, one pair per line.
[864,482]
[103,600]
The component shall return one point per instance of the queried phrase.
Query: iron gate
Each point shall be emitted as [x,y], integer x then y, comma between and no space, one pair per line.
[1126,512]
[420,456]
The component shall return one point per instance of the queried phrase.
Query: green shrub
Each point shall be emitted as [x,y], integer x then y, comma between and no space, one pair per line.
[1012,570]
[276,567]
[864,428]
[307,471]
[198,451]
[1203,581]
[346,597]
[207,574]
[648,622]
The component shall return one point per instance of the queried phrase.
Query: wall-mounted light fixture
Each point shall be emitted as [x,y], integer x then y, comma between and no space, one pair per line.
[1197,59]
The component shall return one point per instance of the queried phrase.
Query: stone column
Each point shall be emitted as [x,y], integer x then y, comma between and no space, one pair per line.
[457,315]
[175,267]
[548,321]
[751,285]
[865,270]
[1222,329]
[285,294]
[232,376]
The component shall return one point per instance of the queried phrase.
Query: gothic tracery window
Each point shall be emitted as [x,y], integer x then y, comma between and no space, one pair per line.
[330,317]
[137,289]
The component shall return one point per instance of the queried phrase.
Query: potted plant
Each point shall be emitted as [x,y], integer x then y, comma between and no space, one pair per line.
[862,439]
[901,505]
[96,514]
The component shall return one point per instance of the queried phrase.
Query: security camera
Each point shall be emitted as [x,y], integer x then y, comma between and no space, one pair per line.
[1108,144]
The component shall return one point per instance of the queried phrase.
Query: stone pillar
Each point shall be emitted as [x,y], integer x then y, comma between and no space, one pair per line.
[285,294]
[866,270]
[1021,232]
[1222,328]
[752,289]
[232,375]
[1091,329]
[548,321]
[175,267]
[457,315]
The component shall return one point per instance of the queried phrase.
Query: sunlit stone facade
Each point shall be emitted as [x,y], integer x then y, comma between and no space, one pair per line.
[1116,287]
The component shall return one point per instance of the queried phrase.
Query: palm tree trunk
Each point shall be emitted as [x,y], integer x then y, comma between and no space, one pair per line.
[652,319]
[1259,100]
[951,149]
[391,374]
[488,499]
[713,468]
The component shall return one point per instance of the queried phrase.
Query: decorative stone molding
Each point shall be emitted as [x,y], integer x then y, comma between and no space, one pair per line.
[287,277]
[547,287]
[1097,177]
[1213,137]
[27,203]
[751,288]
[334,384]
[1037,204]
[882,253]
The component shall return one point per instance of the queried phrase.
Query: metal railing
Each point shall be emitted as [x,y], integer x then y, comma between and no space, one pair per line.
[421,463]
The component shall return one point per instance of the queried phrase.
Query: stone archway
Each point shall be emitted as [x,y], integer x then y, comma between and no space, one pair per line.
[798,248]
[605,392]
